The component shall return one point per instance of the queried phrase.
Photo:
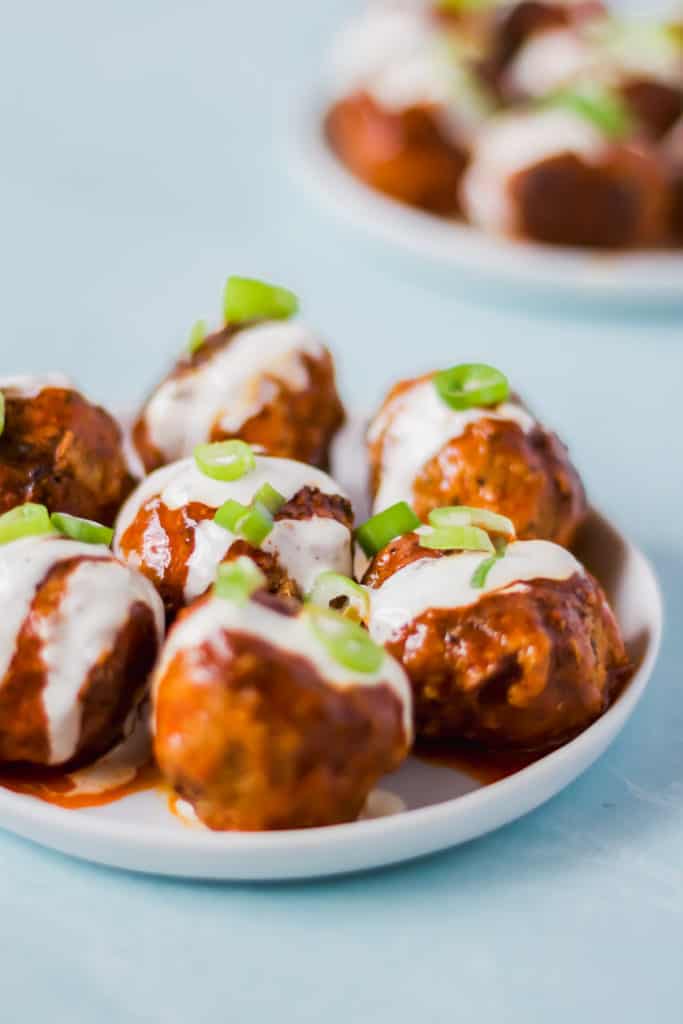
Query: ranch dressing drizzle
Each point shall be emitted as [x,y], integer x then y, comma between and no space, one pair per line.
[209,621]
[549,60]
[228,387]
[303,547]
[446,582]
[79,632]
[418,424]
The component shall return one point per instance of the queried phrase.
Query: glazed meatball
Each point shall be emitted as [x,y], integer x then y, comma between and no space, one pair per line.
[167,529]
[550,176]
[395,121]
[59,450]
[526,661]
[269,383]
[426,453]
[260,729]
[79,636]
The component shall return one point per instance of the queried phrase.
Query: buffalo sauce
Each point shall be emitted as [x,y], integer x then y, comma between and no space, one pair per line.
[61,788]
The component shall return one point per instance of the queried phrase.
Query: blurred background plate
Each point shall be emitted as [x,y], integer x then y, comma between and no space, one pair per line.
[622,278]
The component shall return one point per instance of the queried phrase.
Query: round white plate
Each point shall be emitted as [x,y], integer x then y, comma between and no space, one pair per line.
[629,278]
[443,807]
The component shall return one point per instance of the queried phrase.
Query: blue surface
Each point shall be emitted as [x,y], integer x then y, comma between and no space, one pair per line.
[142,161]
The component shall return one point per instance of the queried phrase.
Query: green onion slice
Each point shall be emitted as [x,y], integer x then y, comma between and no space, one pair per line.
[27,520]
[2,413]
[462,6]
[85,530]
[480,574]
[393,522]
[237,581]
[230,513]
[346,642]
[334,587]
[602,107]
[471,385]
[255,526]
[225,460]
[456,538]
[271,498]
[247,299]
[197,336]
[464,515]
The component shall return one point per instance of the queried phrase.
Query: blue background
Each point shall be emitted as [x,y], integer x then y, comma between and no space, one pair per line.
[143,159]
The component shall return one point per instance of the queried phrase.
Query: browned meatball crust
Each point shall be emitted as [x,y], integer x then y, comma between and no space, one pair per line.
[59,450]
[656,106]
[404,154]
[527,668]
[256,739]
[293,423]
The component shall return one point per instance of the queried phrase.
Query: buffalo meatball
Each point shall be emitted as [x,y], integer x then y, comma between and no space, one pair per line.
[59,450]
[167,528]
[426,453]
[260,728]
[269,383]
[525,660]
[396,121]
[79,636]
[551,175]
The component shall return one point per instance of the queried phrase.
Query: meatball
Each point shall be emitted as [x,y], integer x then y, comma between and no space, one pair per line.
[269,383]
[526,661]
[426,453]
[395,121]
[167,528]
[79,636]
[59,450]
[550,176]
[259,728]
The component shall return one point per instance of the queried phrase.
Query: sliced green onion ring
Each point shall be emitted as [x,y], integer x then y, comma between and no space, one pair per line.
[471,385]
[480,574]
[462,6]
[2,413]
[255,526]
[197,336]
[229,514]
[248,299]
[272,499]
[29,520]
[465,515]
[597,104]
[85,530]
[346,642]
[332,587]
[225,460]
[237,581]
[393,522]
[456,538]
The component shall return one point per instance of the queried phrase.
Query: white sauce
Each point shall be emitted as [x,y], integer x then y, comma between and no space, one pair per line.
[28,386]
[511,143]
[229,387]
[93,609]
[208,623]
[304,548]
[548,61]
[446,582]
[418,424]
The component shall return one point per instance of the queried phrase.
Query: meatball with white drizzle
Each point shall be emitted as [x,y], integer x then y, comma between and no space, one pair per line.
[492,453]
[168,528]
[79,636]
[263,377]
[272,716]
[518,648]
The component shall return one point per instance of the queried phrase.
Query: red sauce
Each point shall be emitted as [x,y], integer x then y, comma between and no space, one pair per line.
[55,786]
[486,766]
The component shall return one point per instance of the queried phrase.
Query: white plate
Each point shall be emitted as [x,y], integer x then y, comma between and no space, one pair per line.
[628,278]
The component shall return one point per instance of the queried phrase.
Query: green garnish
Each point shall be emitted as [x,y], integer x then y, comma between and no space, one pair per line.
[253,522]
[462,6]
[602,107]
[29,520]
[230,513]
[471,385]
[256,524]
[271,498]
[247,299]
[480,574]
[332,587]
[197,336]
[346,642]
[85,530]
[237,581]
[456,538]
[464,515]
[393,522]
[225,460]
